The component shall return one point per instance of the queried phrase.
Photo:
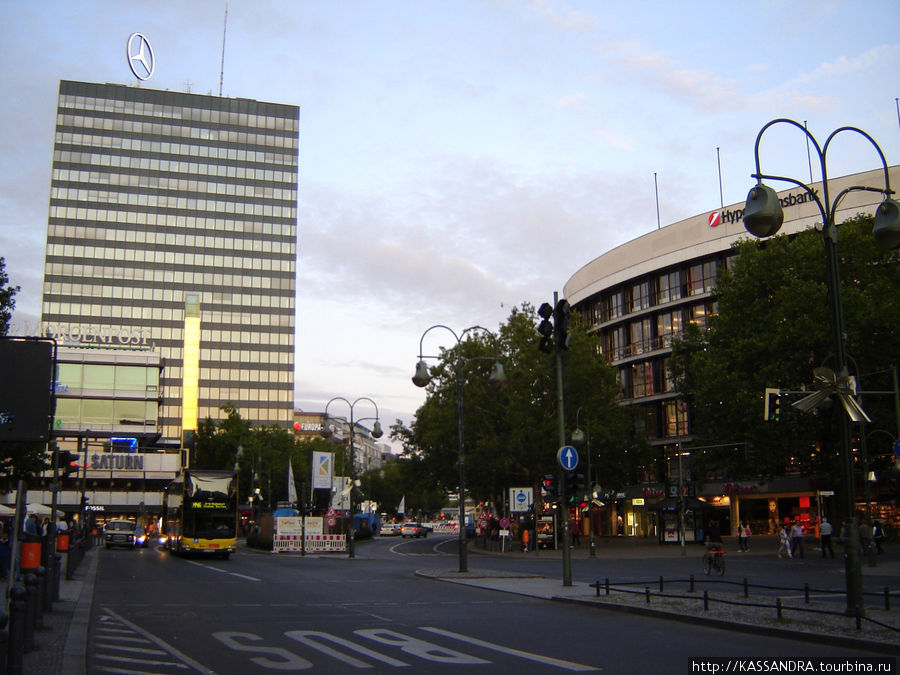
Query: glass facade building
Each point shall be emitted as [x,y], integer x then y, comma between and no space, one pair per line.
[173,226]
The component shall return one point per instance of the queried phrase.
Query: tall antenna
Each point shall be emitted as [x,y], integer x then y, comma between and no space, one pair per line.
[656,189]
[222,68]
[719,162]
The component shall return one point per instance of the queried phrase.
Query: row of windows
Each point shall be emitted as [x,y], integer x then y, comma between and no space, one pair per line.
[646,378]
[137,125]
[258,190]
[158,257]
[145,238]
[268,332]
[85,413]
[59,277]
[669,286]
[91,160]
[164,111]
[106,376]
[140,148]
[152,221]
[651,333]
[260,358]
[209,206]
[665,419]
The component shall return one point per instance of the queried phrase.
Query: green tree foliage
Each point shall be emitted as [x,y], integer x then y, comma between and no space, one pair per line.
[772,328]
[264,456]
[511,433]
[7,298]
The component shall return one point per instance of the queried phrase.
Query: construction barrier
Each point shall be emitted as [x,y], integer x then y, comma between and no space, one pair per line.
[315,543]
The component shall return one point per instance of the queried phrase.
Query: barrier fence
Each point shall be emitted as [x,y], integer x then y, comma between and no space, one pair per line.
[315,543]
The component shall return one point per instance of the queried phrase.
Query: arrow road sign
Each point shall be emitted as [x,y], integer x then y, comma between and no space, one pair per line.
[567,457]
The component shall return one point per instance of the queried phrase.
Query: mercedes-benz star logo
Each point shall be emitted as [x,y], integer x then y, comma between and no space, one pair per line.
[140,56]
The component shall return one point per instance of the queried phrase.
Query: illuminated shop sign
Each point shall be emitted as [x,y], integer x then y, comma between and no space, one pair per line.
[716,218]
[111,461]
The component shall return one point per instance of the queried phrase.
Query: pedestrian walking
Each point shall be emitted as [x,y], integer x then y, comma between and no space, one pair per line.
[825,531]
[796,539]
[784,543]
[744,536]
[878,536]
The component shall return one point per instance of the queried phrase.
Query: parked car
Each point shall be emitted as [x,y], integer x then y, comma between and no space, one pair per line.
[414,530]
[391,529]
[119,533]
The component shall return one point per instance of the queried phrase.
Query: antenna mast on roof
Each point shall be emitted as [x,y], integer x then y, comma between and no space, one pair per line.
[222,67]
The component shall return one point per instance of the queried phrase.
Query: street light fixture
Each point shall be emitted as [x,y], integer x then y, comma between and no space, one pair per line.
[763,217]
[579,437]
[376,433]
[423,377]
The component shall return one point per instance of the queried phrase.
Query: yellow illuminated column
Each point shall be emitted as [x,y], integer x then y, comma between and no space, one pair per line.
[190,387]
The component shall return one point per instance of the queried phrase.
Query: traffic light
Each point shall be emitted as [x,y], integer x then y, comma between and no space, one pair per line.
[576,486]
[549,486]
[772,411]
[545,328]
[562,315]
[67,462]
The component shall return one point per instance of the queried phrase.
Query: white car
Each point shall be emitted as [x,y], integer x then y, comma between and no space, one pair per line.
[414,530]
[390,529]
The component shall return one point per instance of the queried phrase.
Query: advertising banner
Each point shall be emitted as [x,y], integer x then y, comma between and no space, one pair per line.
[322,470]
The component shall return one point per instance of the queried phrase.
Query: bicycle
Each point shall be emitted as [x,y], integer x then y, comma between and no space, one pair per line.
[714,560]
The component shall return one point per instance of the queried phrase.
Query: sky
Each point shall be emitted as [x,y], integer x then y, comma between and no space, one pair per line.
[459,158]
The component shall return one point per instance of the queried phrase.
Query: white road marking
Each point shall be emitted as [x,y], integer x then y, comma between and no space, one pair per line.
[216,569]
[558,663]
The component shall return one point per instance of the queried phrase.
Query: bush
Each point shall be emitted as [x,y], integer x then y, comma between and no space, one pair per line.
[259,541]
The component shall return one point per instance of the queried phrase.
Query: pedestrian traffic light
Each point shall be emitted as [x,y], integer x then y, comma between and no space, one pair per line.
[549,486]
[575,486]
[772,411]
[67,462]
[545,328]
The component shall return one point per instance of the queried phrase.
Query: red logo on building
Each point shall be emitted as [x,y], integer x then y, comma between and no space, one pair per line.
[715,218]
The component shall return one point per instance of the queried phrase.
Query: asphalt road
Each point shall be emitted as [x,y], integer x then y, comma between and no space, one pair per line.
[260,612]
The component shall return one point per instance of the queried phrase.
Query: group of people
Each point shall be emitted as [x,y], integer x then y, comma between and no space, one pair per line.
[790,539]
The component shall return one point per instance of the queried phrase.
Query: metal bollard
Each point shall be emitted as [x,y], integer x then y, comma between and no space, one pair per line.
[887,599]
[692,583]
[16,629]
[30,611]
[350,544]
[4,640]
[746,588]
[41,588]
[660,583]
[806,593]
[778,607]
[705,601]
[57,572]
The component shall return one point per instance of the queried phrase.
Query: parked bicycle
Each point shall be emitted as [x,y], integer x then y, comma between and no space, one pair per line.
[714,561]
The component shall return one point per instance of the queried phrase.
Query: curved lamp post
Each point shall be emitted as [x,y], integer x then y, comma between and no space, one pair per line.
[422,378]
[377,432]
[579,437]
[763,217]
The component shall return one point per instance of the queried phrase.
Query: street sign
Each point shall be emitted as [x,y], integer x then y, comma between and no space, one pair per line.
[520,499]
[567,457]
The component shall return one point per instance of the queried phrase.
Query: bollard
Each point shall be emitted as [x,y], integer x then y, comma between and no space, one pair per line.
[692,583]
[4,640]
[351,553]
[858,612]
[705,601]
[806,593]
[647,593]
[607,585]
[16,629]
[41,588]
[57,571]
[887,599]
[778,607]
[30,611]
[746,588]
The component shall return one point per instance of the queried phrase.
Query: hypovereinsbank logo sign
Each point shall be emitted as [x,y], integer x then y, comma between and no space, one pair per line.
[716,218]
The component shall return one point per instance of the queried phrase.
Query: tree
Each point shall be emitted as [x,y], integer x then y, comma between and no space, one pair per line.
[772,328]
[511,433]
[7,298]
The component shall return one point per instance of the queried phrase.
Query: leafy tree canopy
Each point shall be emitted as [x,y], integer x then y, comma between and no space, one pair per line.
[773,326]
[7,298]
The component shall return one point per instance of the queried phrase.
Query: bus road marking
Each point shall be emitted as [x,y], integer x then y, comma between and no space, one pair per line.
[550,661]
[216,569]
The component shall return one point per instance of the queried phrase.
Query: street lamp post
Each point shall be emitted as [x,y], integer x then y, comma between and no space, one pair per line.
[376,433]
[578,437]
[763,217]
[422,378]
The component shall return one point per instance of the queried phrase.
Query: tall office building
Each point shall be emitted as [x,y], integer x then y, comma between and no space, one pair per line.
[173,226]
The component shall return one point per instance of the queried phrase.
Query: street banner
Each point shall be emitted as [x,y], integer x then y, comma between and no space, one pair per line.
[292,487]
[322,470]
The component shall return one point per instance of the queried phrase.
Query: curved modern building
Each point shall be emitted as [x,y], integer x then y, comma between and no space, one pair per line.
[641,295]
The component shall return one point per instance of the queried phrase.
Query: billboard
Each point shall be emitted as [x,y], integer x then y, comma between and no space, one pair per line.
[27,374]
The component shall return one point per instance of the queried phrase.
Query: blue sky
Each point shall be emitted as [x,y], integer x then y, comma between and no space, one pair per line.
[458,158]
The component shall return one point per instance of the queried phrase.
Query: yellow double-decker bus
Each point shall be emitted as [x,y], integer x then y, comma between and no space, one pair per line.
[200,514]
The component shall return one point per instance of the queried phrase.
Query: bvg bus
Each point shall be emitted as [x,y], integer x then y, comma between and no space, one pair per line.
[200,514]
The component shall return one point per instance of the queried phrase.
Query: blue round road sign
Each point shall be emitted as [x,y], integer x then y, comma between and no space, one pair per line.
[567,457]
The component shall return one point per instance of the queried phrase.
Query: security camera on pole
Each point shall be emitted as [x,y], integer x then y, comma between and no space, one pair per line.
[554,340]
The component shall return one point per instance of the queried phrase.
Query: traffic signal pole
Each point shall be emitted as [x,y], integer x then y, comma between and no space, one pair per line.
[563,509]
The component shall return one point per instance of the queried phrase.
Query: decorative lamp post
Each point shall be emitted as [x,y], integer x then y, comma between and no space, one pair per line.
[422,378]
[579,437]
[763,217]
